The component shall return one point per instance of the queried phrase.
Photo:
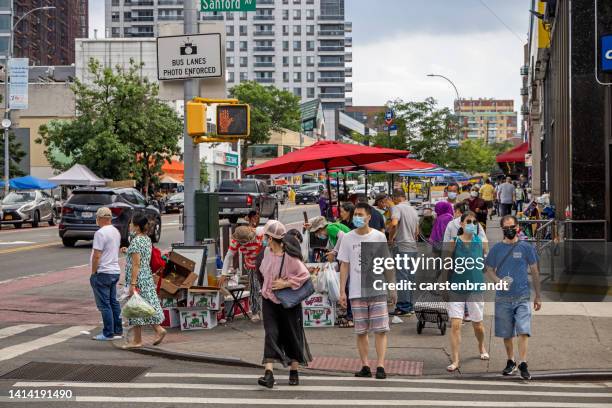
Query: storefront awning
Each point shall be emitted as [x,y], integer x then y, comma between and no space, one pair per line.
[516,155]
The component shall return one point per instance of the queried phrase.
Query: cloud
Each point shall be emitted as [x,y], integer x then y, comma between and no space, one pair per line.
[480,64]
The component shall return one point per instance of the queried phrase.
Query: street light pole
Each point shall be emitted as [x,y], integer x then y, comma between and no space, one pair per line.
[7,96]
[456,92]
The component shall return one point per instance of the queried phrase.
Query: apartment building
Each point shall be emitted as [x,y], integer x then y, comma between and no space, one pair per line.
[493,120]
[297,45]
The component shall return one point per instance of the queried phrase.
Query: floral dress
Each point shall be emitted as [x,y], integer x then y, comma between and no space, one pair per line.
[145,284]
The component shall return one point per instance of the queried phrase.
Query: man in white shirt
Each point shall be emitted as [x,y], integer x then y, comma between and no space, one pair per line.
[370,312]
[105,273]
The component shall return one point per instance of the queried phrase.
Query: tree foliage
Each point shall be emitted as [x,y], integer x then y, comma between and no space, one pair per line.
[272,109]
[16,154]
[122,130]
[204,177]
[474,156]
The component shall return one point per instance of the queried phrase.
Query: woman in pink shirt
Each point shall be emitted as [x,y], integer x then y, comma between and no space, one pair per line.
[281,268]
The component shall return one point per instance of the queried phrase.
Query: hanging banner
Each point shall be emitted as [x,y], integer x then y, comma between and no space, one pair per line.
[18,85]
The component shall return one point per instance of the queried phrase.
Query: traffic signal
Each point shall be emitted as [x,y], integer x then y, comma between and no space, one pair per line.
[196,119]
[234,120]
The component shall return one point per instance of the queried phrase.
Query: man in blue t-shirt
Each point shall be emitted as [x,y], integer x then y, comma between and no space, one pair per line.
[511,261]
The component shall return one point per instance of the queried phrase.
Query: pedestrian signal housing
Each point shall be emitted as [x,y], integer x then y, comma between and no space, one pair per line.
[234,120]
[196,119]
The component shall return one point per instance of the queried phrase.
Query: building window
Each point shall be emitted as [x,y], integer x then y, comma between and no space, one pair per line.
[285,77]
[243,15]
[285,14]
[297,14]
[297,46]
[310,14]
[229,61]
[310,76]
[310,92]
[243,30]
[297,30]
[244,61]
[310,45]
[310,60]
[115,32]
[285,30]
[244,46]
[297,77]
[297,92]
[230,46]
[310,30]
[263,151]
[285,45]
[297,61]
[229,30]
[115,17]
[285,61]
[297,2]
[229,15]
[244,76]
[230,77]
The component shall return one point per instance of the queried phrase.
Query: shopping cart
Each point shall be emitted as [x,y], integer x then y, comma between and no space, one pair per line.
[431,308]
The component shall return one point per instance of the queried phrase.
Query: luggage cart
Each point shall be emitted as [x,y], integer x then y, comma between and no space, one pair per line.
[431,308]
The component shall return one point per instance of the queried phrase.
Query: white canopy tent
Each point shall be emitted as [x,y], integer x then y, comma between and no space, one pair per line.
[78,175]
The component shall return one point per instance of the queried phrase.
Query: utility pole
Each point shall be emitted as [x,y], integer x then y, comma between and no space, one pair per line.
[191,151]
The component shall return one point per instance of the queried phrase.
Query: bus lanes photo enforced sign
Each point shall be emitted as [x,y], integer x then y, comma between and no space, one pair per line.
[189,56]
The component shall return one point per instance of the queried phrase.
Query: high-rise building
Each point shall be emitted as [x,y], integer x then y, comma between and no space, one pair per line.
[493,120]
[296,45]
[46,37]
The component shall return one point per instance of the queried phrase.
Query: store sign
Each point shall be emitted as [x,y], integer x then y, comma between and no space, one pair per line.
[225,158]
[227,5]
[528,160]
[189,56]
[606,53]
[18,85]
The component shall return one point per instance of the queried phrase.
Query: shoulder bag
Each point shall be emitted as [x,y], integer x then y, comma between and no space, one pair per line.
[289,297]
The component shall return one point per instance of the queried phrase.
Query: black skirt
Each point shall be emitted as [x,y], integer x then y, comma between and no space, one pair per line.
[285,339]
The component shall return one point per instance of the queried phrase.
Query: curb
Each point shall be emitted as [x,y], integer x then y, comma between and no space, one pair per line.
[565,375]
[195,357]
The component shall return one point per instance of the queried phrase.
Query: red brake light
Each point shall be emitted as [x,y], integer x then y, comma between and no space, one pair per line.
[249,200]
[67,210]
[116,211]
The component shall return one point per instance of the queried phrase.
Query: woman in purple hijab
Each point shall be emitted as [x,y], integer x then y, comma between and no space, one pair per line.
[444,215]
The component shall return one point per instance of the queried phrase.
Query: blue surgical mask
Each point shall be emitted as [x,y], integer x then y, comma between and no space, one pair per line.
[322,236]
[265,242]
[358,222]
[471,229]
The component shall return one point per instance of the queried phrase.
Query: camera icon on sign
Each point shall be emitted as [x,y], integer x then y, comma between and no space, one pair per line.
[188,49]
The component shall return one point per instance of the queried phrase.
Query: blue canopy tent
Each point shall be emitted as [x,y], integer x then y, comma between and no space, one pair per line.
[29,183]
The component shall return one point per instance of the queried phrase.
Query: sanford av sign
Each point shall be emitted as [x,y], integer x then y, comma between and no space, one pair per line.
[606,53]
[189,56]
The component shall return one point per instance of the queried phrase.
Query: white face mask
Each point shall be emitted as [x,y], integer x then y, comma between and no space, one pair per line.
[474,194]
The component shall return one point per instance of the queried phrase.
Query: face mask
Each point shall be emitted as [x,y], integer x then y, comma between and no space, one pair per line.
[509,233]
[470,229]
[452,195]
[322,237]
[265,242]
[474,194]
[358,222]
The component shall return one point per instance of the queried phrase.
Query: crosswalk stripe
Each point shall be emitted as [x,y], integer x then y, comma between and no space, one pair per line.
[13,351]
[322,388]
[390,380]
[13,330]
[175,401]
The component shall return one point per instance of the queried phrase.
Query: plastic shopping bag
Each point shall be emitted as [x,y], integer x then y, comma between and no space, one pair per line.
[137,308]
[319,283]
[124,295]
[331,282]
[305,245]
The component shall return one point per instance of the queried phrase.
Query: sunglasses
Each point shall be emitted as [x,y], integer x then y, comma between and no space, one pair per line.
[509,227]
[470,221]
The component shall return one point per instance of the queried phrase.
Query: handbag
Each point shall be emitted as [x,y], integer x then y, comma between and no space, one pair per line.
[289,297]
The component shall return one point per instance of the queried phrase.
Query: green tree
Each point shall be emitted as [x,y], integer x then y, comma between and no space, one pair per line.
[272,109]
[16,154]
[204,178]
[122,129]
[473,156]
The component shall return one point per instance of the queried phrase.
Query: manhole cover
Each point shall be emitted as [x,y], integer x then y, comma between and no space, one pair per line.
[75,372]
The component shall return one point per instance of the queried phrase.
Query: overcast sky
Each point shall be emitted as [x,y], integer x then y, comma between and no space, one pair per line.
[397,42]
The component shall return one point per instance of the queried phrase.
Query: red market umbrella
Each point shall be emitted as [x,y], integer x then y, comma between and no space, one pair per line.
[515,155]
[399,165]
[326,155]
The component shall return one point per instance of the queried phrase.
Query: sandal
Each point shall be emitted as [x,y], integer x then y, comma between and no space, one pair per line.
[484,356]
[452,368]
[131,346]
[160,338]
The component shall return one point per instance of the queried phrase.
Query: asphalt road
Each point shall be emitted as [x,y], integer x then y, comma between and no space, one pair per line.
[32,251]
[167,383]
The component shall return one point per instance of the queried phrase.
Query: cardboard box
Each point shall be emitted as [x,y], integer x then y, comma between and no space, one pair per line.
[317,300]
[171,317]
[204,298]
[197,319]
[168,302]
[178,274]
[319,316]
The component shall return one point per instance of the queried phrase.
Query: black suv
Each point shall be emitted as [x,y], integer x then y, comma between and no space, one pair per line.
[79,213]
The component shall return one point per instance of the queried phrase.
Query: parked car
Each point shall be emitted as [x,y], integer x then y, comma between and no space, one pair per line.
[376,190]
[309,193]
[175,203]
[281,193]
[28,207]
[238,197]
[78,220]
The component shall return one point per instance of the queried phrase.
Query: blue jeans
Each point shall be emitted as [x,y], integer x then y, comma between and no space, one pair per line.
[404,297]
[104,287]
[512,318]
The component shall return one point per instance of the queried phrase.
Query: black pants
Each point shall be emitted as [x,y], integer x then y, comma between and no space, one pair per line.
[506,209]
[285,340]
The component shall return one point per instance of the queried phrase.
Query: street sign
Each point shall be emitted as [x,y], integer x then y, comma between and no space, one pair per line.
[227,5]
[393,127]
[18,92]
[393,132]
[233,120]
[189,56]
[606,53]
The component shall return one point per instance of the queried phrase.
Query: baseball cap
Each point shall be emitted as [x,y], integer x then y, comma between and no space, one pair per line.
[104,212]
[318,223]
[275,229]
[243,234]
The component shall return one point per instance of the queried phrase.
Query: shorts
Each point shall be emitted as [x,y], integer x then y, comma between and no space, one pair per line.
[456,310]
[489,204]
[370,315]
[512,318]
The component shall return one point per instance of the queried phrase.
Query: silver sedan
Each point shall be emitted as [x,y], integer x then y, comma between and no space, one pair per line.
[28,207]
